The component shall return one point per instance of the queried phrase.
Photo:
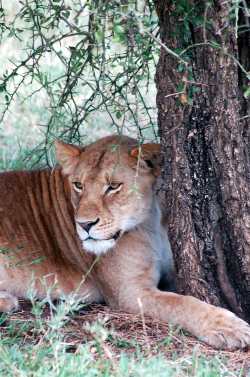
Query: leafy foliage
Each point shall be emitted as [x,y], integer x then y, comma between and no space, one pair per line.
[90,61]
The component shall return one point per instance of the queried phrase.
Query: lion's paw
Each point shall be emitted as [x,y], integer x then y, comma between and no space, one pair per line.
[225,330]
[8,303]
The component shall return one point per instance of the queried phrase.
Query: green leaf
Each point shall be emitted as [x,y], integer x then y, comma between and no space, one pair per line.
[2,87]
[66,13]
[118,115]
[99,35]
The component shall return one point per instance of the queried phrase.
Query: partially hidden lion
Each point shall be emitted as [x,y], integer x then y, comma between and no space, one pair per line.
[93,225]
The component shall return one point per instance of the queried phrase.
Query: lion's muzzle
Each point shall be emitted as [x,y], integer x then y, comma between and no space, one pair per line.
[92,240]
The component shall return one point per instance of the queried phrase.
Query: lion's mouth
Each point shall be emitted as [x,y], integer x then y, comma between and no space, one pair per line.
[100,246]
[114,237]
[117,235]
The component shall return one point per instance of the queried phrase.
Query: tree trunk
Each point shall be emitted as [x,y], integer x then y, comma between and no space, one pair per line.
[205,143]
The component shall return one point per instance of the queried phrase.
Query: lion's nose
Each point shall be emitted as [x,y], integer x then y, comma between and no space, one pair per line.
[88,224]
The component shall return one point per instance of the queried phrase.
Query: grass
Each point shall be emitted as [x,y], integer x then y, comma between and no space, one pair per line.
[68,339]
[16,159]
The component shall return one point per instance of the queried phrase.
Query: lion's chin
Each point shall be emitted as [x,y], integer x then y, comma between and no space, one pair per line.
[98,247]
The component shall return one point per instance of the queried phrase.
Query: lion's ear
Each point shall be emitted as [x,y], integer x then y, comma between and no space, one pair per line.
[67,155]
[149,154]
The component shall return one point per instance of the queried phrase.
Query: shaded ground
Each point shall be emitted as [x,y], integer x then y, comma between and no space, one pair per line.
[126,333]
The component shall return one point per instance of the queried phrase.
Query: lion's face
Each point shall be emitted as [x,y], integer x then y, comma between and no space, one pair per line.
[111,190]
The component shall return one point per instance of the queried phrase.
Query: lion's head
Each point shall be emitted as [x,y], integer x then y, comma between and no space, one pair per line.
[111,187]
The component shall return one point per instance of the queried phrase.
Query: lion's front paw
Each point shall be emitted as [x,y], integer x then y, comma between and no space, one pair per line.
[224,330]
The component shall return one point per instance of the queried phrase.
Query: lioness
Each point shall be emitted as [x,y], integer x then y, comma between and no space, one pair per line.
[94,225]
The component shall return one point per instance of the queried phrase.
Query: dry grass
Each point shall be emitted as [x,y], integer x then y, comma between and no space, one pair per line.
[127,333]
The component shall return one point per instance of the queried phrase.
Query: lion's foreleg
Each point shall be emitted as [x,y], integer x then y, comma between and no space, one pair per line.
[215,326]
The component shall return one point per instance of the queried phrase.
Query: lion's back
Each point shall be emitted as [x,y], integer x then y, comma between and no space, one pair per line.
[36,215]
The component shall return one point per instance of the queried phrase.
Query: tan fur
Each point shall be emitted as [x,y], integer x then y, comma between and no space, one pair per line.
[119,259]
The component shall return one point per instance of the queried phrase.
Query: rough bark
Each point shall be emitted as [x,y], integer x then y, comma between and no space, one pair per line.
[206,181]
[244,82]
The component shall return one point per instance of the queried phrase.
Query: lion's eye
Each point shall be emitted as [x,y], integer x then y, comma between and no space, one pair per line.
[77,186]
[113,187]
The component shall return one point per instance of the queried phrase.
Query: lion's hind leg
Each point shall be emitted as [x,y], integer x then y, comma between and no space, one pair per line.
[8,302]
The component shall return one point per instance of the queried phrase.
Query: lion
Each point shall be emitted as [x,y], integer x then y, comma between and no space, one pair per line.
[93,225]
